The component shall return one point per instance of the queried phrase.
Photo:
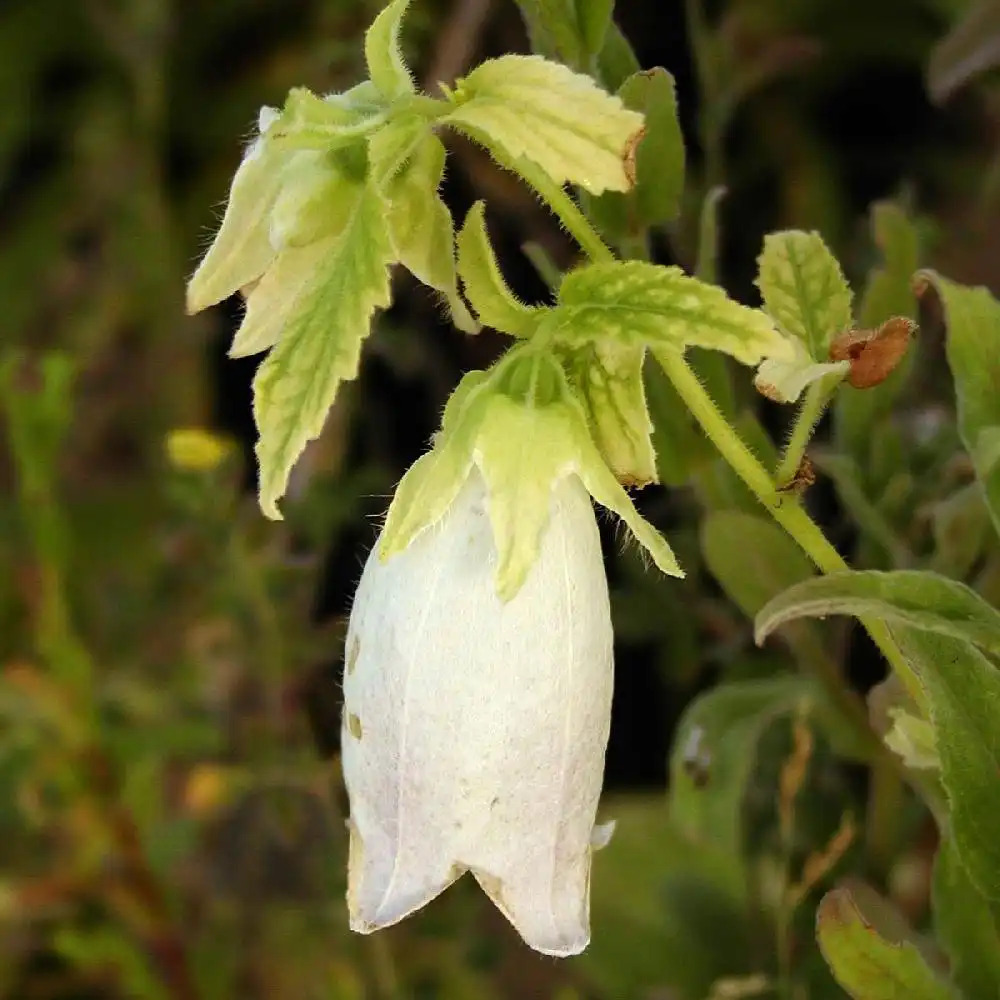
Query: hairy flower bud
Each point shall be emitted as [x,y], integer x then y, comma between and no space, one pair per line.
[475,728]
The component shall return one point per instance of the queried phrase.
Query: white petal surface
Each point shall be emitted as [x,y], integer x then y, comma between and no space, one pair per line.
[475,730]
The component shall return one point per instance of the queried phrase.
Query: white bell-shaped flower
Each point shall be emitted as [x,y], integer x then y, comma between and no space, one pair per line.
[475,728]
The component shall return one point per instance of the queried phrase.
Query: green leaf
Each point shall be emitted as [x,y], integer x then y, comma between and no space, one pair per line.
[554,30]
[296,384]
[769,563]
[874,526]
[484,286]
[594,18]
[804,290]
[961,527]
[659,161]
[973,320]
[866,964]
[963,692]
[888,294]
[292,280]
[616,61]
[719,733]
[241,250]
[608,380]
[385,62]
[971,47]
[420,226]
[560,120]
[637,303]
[966,925]
[913,598]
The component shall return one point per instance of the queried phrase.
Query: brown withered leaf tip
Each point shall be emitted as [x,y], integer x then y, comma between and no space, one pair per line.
[805,476]
[873,354]
[631,151]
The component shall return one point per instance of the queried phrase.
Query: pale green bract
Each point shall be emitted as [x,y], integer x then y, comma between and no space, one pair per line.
[608,380]
[544,112]
[388,71]
[521,424]
[484,286]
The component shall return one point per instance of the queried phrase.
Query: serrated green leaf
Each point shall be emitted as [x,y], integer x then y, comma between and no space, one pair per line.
[973,321]
[637,303]
[528,107]
[385,62]
[967,926]
[659,161]
[296,384]
[420,226]
[913,598]
[485,288]
[963,693]
[867,965]
[718,734]
[804,290]
[290,282]
[608,380]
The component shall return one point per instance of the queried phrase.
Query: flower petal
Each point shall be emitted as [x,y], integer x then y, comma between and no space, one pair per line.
[475,729]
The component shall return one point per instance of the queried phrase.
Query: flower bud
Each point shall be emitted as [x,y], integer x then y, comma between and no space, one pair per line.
[475,728]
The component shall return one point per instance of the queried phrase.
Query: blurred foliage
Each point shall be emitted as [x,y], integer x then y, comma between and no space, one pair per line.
[171,818]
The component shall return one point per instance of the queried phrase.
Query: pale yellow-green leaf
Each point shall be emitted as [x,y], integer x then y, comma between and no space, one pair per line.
[385,62]
[529,107]
[637,303]
[296,384]
[431,484]
[608,381]
[784,381]
[241,250]
[804,289]
[420,226]
[495,304]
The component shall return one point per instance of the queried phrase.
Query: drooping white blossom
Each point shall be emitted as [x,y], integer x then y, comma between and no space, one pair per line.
[474,727]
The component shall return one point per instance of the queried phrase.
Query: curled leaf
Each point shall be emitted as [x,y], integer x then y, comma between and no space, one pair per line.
[873,354]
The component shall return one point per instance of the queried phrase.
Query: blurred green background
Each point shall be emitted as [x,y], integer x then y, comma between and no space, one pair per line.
[171,816]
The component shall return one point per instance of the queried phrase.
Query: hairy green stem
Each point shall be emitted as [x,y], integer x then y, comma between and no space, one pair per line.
[813,406]
[785,510]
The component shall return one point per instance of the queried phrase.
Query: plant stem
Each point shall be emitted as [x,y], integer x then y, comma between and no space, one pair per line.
[785,510]
[817,396]
[568,212]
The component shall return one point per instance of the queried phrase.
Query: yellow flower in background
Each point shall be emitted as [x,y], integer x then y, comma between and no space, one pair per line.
[194,449]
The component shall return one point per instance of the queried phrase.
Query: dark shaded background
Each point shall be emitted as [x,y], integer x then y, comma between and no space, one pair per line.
[121,123]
